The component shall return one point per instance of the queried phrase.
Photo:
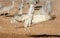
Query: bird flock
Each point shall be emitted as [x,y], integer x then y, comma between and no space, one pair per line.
[43,14]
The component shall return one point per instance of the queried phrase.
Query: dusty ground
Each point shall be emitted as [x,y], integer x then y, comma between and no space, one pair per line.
[51,27]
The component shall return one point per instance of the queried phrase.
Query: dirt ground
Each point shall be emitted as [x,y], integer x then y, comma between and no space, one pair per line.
[50,27]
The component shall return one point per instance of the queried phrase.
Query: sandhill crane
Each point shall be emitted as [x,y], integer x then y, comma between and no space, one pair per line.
[28,21]
[27,17]
[8,8]
[18,14]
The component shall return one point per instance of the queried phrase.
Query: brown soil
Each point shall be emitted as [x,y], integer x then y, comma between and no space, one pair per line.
[50,27]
